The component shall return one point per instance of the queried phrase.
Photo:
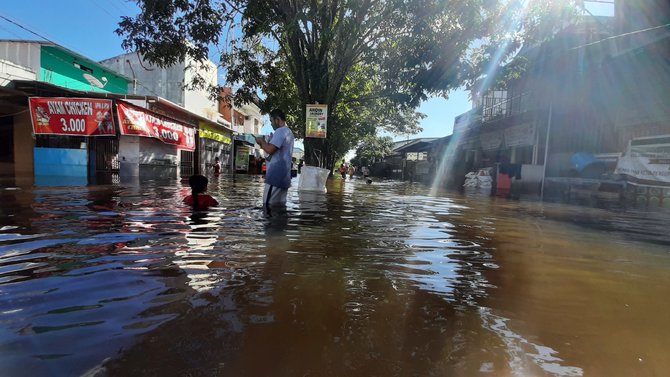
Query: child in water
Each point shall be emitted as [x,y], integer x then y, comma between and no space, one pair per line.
[217,166]
[198,199]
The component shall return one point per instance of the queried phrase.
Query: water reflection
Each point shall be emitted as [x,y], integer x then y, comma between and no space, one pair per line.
[379,279]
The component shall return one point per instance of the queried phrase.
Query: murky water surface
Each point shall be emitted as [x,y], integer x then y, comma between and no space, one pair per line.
[378,280]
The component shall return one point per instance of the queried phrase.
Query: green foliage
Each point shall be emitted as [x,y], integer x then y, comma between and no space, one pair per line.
[371,61]
[372,149]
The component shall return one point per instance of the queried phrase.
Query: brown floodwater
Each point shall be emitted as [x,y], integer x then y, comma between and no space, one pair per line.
[366,280]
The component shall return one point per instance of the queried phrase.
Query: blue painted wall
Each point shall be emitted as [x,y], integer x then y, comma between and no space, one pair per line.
[61,162]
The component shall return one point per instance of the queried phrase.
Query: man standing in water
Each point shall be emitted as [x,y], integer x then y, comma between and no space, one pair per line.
[280,150]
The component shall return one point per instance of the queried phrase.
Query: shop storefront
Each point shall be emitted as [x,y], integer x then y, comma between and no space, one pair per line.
[69,135]
[245,161]
[152,145]
[215,141]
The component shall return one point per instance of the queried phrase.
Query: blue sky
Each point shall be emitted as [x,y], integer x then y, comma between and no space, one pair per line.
[87,27]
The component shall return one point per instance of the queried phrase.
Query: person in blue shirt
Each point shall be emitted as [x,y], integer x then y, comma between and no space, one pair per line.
[278,163]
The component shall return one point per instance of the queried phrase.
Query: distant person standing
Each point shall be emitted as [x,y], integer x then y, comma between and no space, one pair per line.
[343,171]
[351,171]
[280,151]
[366,174]
[217,166]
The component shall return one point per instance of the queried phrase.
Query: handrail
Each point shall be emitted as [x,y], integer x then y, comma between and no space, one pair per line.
[507,108]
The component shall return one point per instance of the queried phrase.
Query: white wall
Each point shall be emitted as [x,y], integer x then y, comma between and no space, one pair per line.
[10,71]
[252,112]
[198,101]
[129,156]
[157,159]
[148,157]
[152,80]
[22,53]
[170,83]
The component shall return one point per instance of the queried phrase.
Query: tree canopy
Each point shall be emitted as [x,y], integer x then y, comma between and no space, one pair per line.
[371,61]
[372,149]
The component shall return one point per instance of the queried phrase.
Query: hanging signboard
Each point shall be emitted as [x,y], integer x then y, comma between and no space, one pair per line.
[71,116]
[213,133]
[242,158]
[490,140]
[520,135]
[137,121]
[648,163]
[317,121]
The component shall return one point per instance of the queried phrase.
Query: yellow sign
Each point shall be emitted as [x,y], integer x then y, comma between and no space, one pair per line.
[317,121]
[211,132]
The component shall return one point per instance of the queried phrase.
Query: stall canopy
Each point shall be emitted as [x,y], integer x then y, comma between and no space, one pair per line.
[247,138]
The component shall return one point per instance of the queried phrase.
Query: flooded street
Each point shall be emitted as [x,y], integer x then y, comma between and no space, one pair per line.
[367,280]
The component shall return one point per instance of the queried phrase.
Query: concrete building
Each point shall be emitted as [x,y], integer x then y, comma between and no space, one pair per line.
[60,66]
[594,88]
[173,84]
[10,71]
[49,69]
[153,138]
[247,123]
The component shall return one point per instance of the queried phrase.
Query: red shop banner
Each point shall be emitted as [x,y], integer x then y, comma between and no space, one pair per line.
[71,116]
[137,121]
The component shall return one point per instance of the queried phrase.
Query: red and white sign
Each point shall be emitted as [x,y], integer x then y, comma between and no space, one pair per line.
[137,121]
[71,116]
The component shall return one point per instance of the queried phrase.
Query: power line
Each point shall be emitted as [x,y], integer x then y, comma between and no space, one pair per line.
[67,62]
[622,35]
[103,8]
[11,32]
[116,6]
[125,5]
[26,29]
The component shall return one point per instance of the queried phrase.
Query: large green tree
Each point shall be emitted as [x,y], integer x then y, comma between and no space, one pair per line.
[372,149]
[311,48]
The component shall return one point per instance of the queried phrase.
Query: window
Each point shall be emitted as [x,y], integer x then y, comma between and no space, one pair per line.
[83,67]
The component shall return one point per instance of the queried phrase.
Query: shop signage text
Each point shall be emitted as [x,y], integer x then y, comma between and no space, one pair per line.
[317,121]
[137,121]
[71,116]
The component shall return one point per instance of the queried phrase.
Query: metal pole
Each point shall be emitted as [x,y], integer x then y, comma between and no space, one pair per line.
[546,150]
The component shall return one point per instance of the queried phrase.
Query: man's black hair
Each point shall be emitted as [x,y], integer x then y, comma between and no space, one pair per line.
[277,113]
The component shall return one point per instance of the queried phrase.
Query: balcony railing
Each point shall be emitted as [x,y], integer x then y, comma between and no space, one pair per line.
[507,108]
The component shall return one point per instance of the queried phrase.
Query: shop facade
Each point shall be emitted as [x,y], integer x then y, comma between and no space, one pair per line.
[152,145]
[214,141]
[66,132]
[79,140]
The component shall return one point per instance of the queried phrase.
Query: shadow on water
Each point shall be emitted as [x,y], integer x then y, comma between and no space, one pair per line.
[379,279]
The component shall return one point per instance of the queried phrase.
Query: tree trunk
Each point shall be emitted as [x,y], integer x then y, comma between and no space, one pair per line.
[314,152]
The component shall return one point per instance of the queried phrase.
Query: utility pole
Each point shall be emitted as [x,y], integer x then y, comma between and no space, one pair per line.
[546,150]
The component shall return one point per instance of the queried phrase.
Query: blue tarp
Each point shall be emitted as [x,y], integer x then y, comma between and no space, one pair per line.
[247,138]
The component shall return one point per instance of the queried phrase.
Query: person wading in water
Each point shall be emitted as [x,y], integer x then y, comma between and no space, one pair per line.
[198,199]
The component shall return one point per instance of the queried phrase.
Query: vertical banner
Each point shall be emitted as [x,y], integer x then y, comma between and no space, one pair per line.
[71,116]
[141,122]
[242,158]
[317,121]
